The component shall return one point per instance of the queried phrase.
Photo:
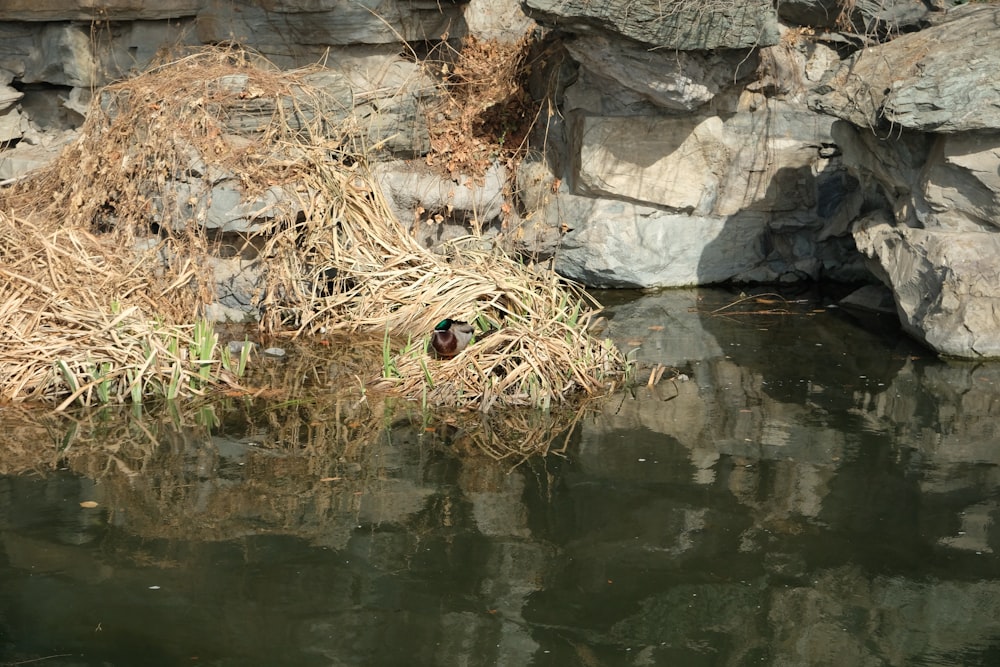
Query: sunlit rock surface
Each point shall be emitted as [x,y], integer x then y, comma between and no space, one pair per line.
[913,82]
[946,284]
[926,132]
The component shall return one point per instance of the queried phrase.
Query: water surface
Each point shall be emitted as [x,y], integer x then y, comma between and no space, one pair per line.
[795,490]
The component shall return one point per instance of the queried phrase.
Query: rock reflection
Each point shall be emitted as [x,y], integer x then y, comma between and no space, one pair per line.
[811,494]
[863,459]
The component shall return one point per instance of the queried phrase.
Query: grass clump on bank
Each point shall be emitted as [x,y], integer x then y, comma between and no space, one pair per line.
[111,267]
[75,325]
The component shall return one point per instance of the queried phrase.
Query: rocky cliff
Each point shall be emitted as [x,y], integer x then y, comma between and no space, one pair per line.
[678,143]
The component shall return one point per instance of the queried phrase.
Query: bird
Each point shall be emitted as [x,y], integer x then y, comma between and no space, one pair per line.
[451,337]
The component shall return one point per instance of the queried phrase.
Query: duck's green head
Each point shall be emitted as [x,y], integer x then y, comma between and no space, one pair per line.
[444,325]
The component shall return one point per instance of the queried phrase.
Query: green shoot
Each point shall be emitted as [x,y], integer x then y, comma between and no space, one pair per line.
[101,375]
[68,376]
[389,369]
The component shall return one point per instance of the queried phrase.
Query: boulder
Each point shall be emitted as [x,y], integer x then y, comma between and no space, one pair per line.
[913,82]
[391,100]
[502,20]
[382,107]
[96,10]
[926,135]
[54,108]
[222,206]
[435,206]
[864,17]
[620,244]
[12,125]
[682,26]
[893,167]
[946,284]
[616,244]
[961,181]
[64,53]
[680,81]
[8,95]
[237,282]
[302,30]
[765,160]
[30,154]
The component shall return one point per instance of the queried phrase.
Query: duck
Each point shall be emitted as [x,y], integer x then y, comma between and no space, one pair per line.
[451,337]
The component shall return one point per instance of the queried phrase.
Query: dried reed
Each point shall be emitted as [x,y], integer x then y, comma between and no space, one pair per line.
[86,316]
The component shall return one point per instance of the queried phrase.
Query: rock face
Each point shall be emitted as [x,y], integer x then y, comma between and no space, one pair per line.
[681,143]
[683,168]
[927,134]
[913,81]
[307,28]
[683,26]
[90,10]
[945,283]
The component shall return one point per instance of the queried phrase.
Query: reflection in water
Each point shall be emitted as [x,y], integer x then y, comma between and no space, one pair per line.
[812,495]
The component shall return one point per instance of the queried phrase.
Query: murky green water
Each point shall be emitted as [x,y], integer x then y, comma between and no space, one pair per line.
[812,495]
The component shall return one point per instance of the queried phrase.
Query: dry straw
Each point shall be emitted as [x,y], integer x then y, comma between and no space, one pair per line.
[88,315]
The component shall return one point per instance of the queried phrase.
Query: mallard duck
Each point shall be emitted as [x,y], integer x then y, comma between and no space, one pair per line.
[450,337]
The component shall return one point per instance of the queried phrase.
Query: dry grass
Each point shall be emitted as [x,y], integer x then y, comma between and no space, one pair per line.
[76,324]
[88,316]
[486,113]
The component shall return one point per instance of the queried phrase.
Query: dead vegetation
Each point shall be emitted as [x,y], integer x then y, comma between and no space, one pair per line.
[107,265]
[296,467]
[487,112]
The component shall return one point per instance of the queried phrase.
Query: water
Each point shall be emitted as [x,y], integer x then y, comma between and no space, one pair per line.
[813,494]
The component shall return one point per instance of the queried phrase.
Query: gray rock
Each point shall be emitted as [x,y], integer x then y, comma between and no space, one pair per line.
[961,181]
[676,25]
[761,161]
[12,125]
[596,94]
[71,54]
[602,242]
[48,111]
[435,206]
[391,104]
[62,56]
[948,181]
[894,167]
[946,284]
[380,109]
[74,10]
[681,81]
[237,282]
[8,96]
[537,229]
[16,42]
[913,81]
[223,207]
[237,347]
[866,17]
[620,244]
[502,20]
[298,31]
[27,156]
[78,101]
[871,299]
